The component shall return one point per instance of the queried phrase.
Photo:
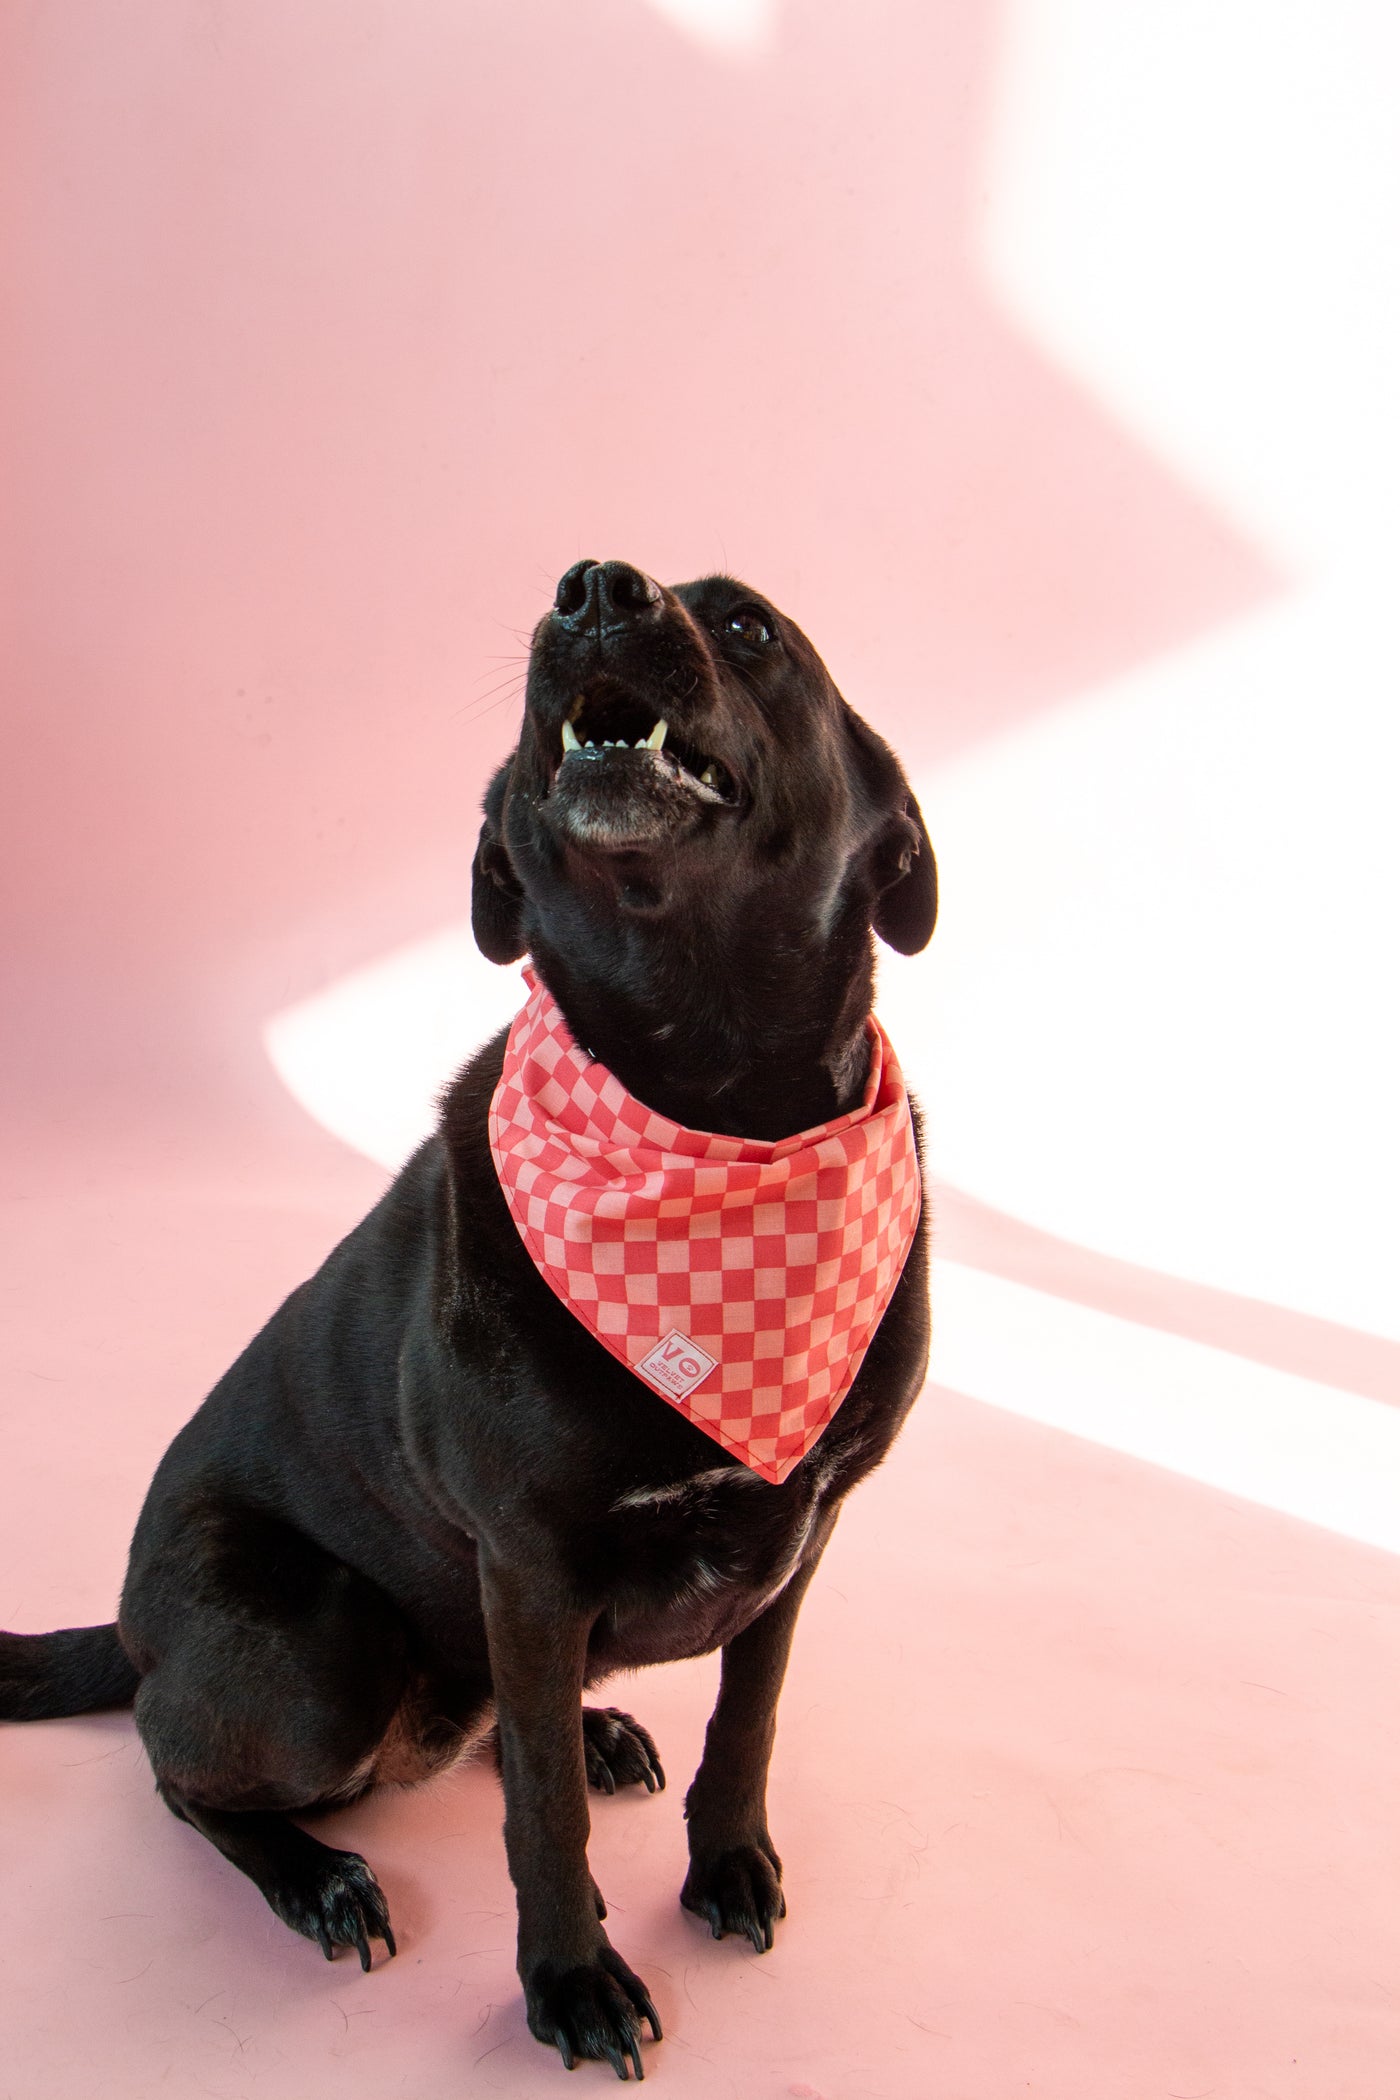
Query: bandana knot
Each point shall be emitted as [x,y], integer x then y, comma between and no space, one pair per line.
[740,1278]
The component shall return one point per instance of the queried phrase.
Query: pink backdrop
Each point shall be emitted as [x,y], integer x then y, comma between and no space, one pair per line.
[970,335]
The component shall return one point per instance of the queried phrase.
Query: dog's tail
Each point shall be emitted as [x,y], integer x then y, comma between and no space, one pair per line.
[44,1676]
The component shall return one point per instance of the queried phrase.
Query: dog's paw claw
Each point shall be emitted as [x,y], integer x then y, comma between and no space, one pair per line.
[593,2009]
[339,1904]
[617,1751]
[738,1890]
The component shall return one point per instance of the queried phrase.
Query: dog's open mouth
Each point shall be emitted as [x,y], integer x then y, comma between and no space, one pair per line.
[610,727]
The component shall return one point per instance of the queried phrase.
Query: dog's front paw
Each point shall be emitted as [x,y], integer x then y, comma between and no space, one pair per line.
[617,1751]
[592,2008]
[738,1890]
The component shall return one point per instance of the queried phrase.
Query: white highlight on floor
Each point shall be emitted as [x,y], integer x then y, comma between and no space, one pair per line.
[733,28]
[367,1056]
[1306,1450]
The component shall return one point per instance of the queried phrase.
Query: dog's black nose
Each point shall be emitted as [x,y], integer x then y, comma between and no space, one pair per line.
[600,595]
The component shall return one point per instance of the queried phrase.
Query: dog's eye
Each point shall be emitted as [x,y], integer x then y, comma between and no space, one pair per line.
[748,625]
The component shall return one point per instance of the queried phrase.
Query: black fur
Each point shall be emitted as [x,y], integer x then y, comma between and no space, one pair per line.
[44,1676]
[424,1497]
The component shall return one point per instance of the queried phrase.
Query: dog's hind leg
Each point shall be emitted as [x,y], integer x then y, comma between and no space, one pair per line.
[332,1897]
[618,1751]
[271,1674]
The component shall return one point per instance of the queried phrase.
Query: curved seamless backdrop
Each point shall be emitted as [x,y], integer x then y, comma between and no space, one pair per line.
[1039,360]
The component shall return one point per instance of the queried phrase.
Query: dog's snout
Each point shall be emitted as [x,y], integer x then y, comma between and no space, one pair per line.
[596,596]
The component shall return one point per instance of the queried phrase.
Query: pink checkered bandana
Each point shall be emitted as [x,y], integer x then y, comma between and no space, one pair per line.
[741,1279]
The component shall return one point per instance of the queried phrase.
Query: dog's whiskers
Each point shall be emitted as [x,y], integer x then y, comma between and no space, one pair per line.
[486,703]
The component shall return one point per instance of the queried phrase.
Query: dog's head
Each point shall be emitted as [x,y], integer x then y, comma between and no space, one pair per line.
[685,752]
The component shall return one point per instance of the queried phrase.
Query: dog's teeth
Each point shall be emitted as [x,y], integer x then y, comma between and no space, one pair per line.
[641,744]
[577,709]
[589,745]
[570,740]
[657,737]
[707,778]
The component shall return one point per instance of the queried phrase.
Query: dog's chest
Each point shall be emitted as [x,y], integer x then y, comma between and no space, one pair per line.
[688,1566]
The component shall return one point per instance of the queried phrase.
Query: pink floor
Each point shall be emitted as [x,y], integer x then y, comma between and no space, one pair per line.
[343,330]
[1083,1785]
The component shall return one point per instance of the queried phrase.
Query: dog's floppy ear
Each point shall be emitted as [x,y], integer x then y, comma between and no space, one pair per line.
[901,863]
[907,904]
[498,902]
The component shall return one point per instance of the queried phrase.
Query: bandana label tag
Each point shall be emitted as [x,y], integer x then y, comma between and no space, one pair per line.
[676,1365]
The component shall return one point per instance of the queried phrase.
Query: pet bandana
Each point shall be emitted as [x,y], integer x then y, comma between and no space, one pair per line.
[740,1278]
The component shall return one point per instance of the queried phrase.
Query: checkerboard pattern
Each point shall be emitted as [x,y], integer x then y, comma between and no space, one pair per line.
[741,1279]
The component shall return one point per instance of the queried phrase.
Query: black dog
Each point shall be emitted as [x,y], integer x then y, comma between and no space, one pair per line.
[425,1497]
